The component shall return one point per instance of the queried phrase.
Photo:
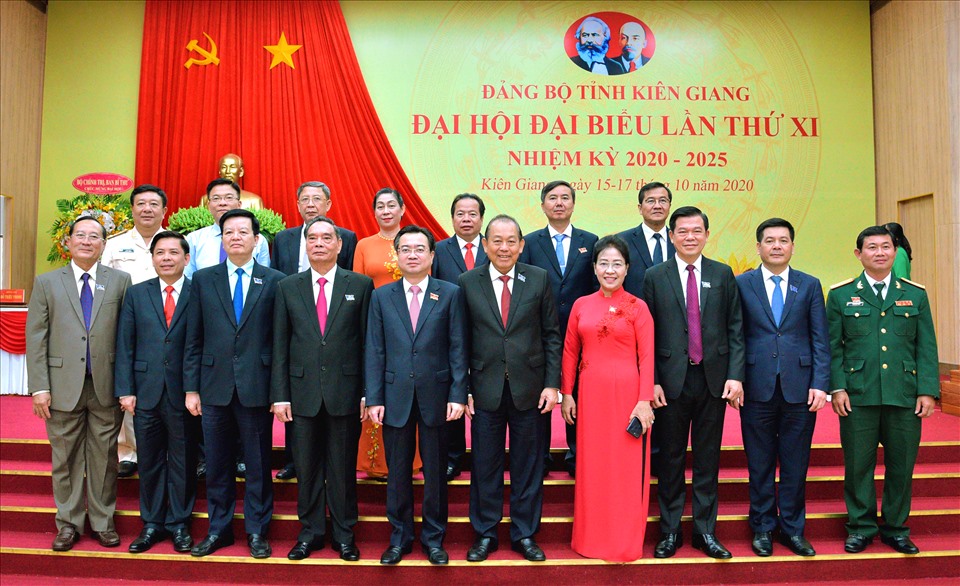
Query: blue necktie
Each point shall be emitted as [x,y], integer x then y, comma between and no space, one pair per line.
[238,296]
[657,250]
[560,258]
[86,305]
[776,303]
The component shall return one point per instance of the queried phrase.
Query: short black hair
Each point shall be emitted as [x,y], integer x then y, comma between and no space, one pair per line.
[413,229]
[241,213]
[687,212]
[611,241]
[873,231]
[651,186]
[145,188]
[103,229]
[774,223]
[385,191]
[553,185]
[170,234]
[318,219]
[503,218]
[473,196]
[222,181]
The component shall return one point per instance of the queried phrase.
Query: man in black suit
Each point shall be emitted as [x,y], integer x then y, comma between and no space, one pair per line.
[649,242]
[454,256]
[565,253]
[514,378]
[226,377]
[148,381]
[787,370]
[290,257]
[416,379]
[698,333]
[317,383]
[633,40]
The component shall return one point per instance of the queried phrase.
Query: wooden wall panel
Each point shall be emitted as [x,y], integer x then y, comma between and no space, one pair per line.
[916,79]
[22,43]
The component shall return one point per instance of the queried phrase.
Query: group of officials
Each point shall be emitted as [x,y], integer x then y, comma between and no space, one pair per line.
[474,328]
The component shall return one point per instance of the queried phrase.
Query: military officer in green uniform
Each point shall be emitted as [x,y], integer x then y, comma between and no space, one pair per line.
[884,379]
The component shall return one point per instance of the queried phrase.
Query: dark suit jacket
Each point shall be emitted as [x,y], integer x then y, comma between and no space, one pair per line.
[448,261]
[613,68]
[56,352]
[310,370]
[149,355]
[529,348]
[801,343]
[640,259]
[430,363]
[222,355]
[624,63]
[285,256]
[720,319]
[579,279]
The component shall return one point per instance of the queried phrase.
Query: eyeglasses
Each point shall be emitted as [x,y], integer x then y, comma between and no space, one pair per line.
[661,201]
[417,250]
[224,198]
[312,199]
[82,237]
[606,266]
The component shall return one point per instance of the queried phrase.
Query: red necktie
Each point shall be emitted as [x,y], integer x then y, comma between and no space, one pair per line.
[168,305]
[468,258]
[633,66]
[695,335]
[505,300]
[322,306]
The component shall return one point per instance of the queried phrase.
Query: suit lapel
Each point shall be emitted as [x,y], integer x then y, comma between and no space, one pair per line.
[758,286]
[892,295]
[253,292]
[640,244]
[155,294]
[488,291]
[70,286]
[103,280]
[399,299]
[221,282]
[550,251]
[517,295]
[706,276]
[793,289]
[305,289]
[337,295]
[480,256]
[181,305]
[576,243]
[674,279]
[454,250]
[867,293]
[671,250]
[427,304]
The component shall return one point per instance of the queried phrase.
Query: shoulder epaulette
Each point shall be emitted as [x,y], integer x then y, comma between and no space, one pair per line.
[918,285]
[842,283]
[118,233]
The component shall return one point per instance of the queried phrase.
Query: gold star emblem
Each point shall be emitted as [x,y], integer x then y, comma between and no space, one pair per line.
[282,52]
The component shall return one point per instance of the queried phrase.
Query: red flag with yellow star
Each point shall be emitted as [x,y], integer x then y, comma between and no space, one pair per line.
[278,84]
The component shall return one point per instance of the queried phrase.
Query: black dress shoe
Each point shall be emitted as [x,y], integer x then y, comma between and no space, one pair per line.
[436,555]
[394,554]
[668,545]
[529,549]
[710,545]
[452,472]
[349,552]
[201,470]
[259,546]
[288,472]
[762,544]
[126,469]
[149,537]
[182,542]
[303,549]
[901,543]
[241,469]
[211,544]
[798,545]
[481,548]
[856,543]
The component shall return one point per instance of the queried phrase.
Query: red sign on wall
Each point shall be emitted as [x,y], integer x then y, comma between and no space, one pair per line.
[103,183]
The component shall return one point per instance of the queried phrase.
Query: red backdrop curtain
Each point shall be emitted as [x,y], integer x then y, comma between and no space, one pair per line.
[312,121]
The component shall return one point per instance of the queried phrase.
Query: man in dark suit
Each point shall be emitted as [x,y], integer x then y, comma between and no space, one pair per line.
[149,384]
[290,257]
[226,373]
[416,379]
[633,40]
[514,377]
[787,370]
[71,339]
[317,383]
[649,242]
[454,256]
[565,253]
[698,322]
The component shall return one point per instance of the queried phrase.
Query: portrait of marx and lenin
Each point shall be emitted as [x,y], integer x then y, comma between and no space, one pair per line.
[609,43]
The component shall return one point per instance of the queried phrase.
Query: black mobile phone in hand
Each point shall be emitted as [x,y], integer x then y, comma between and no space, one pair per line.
[635,428]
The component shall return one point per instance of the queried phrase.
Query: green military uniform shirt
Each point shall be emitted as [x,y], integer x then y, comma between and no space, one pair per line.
[882,353]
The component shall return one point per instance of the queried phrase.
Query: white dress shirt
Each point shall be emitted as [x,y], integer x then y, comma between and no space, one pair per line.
[327,288]
[177,288]
[652,242]
[568,233]
[423,289]
[232,277]
[78,277]
[885,281]
[768,283]
[682,267]
[463,248]
[498,284]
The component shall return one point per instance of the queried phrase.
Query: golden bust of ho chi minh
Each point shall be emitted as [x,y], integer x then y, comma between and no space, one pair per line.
[231,167]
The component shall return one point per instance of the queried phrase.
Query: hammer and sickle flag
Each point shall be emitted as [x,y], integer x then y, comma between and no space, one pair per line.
[208,56]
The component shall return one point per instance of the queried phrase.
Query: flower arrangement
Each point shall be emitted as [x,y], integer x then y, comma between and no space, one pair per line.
[186,220]
[112,211]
